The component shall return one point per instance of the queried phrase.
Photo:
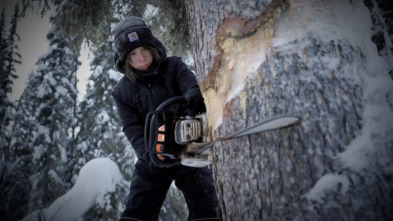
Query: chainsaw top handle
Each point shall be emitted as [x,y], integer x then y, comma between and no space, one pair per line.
[161,116]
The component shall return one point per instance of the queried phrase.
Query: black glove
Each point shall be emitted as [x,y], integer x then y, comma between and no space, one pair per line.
[195,101]
[150,163]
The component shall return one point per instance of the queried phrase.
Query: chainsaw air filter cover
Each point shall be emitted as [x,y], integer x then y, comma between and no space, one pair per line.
[187,130]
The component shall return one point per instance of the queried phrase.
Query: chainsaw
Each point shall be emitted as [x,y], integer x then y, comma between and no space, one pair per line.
[172,140]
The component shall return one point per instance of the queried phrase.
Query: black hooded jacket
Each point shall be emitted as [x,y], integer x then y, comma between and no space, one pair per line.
[134,100]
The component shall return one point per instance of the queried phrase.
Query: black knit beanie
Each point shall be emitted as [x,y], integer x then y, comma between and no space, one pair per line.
[129,34]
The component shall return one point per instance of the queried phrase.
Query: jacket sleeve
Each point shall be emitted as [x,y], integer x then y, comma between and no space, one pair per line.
[132,125]
[185,77]
[189,86]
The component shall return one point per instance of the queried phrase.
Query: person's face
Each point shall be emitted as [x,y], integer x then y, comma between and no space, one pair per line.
[141,58]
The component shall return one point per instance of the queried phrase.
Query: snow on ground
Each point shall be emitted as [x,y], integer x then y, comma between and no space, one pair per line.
[350,23]
[96,178]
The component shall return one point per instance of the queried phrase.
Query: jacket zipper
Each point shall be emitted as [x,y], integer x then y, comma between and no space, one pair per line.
[155,100]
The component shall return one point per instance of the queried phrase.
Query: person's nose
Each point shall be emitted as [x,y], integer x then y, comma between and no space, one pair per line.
[141,57]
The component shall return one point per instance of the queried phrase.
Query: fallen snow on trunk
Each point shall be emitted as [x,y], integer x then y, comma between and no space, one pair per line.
[96,178]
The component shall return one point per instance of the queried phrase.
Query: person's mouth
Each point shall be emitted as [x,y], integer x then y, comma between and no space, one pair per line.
[144,66]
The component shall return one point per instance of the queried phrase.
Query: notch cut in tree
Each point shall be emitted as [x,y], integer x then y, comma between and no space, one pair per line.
[240,45]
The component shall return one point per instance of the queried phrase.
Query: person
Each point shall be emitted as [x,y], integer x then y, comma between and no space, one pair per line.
[150,78]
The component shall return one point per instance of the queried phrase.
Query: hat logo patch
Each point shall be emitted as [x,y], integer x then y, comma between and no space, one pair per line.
[133,36]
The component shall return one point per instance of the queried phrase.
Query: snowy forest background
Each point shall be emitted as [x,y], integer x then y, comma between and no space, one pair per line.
[48,135]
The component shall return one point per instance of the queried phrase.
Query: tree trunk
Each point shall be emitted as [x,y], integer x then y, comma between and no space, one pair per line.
[259,59]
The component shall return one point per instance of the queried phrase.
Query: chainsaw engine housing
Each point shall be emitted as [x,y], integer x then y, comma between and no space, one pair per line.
[172,139]
[194,134]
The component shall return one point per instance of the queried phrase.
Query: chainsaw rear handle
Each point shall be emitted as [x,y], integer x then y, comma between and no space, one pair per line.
[151,132]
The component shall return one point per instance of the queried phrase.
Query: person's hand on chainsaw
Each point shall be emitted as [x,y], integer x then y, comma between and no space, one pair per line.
[152,165]
[195,101]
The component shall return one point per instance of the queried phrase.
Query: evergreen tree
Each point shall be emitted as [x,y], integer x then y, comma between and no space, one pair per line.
[13,188]
[13,54]
[100,133]
[9,57]
[55,97]
[4,82]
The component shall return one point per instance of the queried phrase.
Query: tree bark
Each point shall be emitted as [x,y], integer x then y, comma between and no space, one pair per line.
[249,72]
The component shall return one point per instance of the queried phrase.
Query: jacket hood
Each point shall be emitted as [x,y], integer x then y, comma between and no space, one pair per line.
[132,33]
